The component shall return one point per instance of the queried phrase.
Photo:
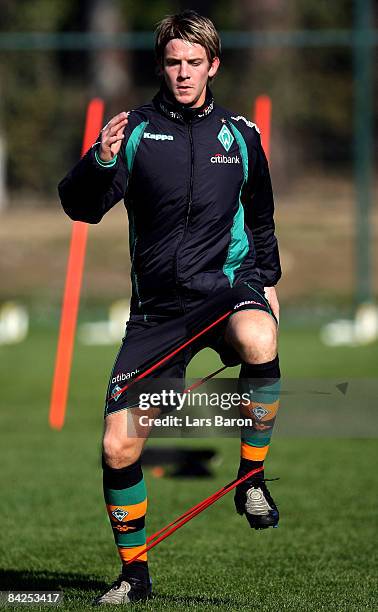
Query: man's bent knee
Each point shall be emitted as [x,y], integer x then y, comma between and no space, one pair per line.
[253,336]
[259,347]
[124,438]
[121,453]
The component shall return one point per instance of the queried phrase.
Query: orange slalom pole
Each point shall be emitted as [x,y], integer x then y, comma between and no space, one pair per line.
[262,118]
[71,297]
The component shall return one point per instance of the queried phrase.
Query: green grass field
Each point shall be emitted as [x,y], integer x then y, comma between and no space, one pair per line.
[55,534]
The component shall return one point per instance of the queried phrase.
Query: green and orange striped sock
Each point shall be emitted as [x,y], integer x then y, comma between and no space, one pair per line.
[126,503]
[261,382]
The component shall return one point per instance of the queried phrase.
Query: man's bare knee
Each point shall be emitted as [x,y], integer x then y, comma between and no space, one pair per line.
[120,453]
[255,343]
[259,346]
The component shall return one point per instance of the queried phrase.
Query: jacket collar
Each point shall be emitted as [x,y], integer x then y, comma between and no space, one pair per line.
[167,105]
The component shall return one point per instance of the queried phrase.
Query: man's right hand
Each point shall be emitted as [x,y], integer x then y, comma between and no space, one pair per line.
[112,136]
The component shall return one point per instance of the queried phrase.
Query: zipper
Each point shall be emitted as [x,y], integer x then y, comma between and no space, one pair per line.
[134,274]
[190,198]
[189,206]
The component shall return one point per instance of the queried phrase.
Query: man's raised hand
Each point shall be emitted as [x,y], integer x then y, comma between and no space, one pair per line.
[112,136]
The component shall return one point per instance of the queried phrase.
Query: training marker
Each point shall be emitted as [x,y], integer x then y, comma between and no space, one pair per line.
[262,116]
[71,298]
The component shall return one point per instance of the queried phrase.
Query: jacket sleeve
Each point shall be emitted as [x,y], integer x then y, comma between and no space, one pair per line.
[92,188]
[259,216]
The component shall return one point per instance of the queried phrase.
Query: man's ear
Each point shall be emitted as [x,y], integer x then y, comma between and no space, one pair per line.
[214,67]
[159,69]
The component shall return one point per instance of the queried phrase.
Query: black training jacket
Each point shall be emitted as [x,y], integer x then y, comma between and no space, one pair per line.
[197,190]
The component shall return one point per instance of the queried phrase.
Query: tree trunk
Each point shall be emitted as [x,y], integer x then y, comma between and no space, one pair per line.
[108,67]
[3,190]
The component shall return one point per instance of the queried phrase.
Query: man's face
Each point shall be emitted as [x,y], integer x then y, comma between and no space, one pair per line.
[186,70]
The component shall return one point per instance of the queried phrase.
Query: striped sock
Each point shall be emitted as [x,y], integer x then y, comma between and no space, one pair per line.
[126,502]
[261,382]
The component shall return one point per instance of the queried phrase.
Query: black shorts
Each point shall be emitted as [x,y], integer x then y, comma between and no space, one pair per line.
[150,338]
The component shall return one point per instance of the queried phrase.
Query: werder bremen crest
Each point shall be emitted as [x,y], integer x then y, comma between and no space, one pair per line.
[225,137]
[260,412]
[115,393]
[119,514]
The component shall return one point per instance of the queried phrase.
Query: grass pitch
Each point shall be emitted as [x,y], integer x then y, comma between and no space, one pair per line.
[55,534]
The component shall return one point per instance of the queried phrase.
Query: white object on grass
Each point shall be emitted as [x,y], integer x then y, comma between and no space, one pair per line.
[107,332]
[14,323]
[362,330]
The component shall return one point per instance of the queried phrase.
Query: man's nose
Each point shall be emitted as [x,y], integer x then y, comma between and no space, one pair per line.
[183,72]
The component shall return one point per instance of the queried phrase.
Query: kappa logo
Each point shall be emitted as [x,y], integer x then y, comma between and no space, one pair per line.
[246,302]
[157,136]
[207,110]
[223,159]
[259,412]
[172,114]
[119,514]
[123,528]
[225,138]
[115,393]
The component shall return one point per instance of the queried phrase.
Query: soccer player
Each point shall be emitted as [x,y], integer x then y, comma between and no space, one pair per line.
[197,190]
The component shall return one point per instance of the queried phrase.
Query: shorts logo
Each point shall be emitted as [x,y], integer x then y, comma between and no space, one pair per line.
[157,136]
[119,514]
[225,138]
[115,393]
[259,412]
[124,376]
[223,159]
[249,302]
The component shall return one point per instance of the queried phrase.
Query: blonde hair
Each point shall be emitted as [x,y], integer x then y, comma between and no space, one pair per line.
[190,27]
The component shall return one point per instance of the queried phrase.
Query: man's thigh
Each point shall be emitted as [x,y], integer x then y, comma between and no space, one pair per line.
[250,315]
[147,341]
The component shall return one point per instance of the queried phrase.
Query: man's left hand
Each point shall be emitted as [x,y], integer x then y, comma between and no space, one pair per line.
[271,296]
